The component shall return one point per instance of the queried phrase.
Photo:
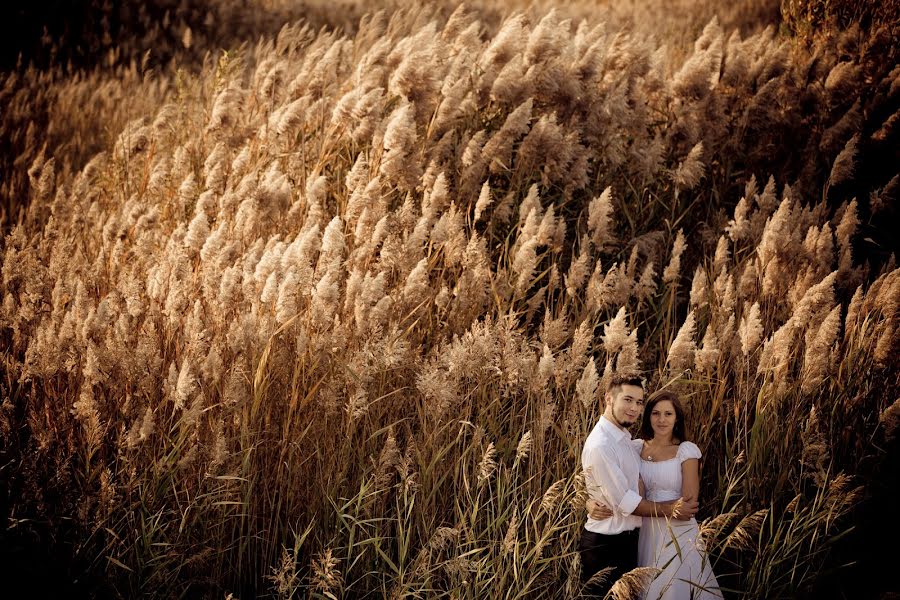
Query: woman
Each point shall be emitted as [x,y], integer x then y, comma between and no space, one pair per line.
[670,470]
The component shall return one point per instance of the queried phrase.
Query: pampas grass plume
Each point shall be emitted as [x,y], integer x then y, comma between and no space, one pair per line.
[586,388]
[750,330]
[673,269]
[600,212]
[681,352]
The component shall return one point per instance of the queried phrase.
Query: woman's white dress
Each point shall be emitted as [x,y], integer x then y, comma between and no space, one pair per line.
[671,545]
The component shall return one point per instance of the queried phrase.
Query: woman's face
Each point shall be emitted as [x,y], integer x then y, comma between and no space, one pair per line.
[663,418]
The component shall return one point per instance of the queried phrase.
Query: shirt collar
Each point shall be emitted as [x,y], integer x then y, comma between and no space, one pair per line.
[617,434]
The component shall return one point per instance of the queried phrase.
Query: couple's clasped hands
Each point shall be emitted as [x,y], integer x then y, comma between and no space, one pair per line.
[682,509]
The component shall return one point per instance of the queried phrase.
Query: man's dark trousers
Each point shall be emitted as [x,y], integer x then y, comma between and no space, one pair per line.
[599,551]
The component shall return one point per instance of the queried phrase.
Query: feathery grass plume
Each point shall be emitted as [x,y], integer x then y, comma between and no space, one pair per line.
[681,353]
[738,228]
[523,449]
[509,41]
[845,164]
[817,358]
[750,329]
[778,350]
[371,290]
[711,529]
[615,288]
[722,255]
[497,151]
[586,388]
[388,460]
[332,247]
[699,289]
[845,231]
[487,465]
[42,175]
[418,75]
[598,578]
[357,405]
[816,298]
[633,584]
[524,264]
[707,356]
[397,163]
[615,332]
[484,201]
[575,357]
[417,284]
[820,247]
[578,270]
[511,538]
[885,196]
[673,270]
[284,577]
[887,296]
[776,236]
[852,320]
[691,170]
[884,348]
[456,100]
[186,385]
[226,110]
[314,195]
[841,78]
[550,499]
[544,40]
[546,366]
[815,455]
[326,577]
[86,411]
[744,535]
[573,578]
[888,128]
[531,217]
[512,84]
[890,420]
[646,285]
[142,428]
[286,304]
[600,212]
[627,361]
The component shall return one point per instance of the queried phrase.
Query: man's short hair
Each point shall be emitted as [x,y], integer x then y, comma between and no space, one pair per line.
[619,379]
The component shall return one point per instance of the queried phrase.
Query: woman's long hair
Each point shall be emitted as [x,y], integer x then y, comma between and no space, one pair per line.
[679,430]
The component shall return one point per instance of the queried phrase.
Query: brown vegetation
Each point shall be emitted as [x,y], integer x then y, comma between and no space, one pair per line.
[330,314]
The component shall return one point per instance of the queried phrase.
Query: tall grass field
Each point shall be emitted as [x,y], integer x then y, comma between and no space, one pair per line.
[320,300]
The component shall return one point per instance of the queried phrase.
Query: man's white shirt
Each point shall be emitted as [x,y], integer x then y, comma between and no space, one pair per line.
[612,468]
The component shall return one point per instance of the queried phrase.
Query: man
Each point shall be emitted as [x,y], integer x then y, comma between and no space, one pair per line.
[611,466]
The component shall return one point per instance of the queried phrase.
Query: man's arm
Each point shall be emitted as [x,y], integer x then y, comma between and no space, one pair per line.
[609,477]
[672,510]
[681,510]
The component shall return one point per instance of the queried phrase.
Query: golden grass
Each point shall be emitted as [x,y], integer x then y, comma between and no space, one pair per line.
[333,313]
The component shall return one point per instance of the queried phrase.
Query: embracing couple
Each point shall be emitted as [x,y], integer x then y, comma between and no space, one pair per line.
[648,485]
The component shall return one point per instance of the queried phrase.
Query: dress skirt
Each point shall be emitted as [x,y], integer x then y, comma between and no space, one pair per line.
[675,547]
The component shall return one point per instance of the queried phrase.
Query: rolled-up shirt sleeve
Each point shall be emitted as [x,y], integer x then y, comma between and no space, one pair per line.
[612,482]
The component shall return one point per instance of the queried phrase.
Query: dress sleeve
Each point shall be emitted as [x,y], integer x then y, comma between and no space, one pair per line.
[688,450]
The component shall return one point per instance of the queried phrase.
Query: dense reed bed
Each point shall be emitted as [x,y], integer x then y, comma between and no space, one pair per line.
[331,314]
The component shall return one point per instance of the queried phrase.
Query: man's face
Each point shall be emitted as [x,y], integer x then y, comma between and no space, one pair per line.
[624,405]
